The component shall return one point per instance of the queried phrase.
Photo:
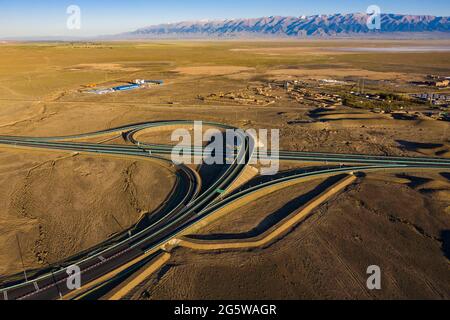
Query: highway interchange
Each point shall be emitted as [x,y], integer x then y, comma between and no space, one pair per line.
[189,204]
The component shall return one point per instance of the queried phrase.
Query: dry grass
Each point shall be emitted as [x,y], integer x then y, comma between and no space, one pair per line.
[328,255]
[39,96]
[212,70]
[61,204]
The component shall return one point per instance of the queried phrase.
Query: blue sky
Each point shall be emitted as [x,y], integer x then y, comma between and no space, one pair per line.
[23,18]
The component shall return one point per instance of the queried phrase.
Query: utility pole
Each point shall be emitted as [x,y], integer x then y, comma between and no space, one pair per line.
[120,226]
[56,284]
[21,258]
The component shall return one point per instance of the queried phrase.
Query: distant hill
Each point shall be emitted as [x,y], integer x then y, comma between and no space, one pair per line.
[345,25]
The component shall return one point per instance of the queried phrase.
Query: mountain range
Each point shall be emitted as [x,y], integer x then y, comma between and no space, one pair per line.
[345,25]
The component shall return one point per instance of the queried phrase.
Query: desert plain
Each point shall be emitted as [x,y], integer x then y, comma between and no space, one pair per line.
[323,96]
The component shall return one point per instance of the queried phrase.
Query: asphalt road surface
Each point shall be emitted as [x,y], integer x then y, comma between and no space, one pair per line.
[187,205]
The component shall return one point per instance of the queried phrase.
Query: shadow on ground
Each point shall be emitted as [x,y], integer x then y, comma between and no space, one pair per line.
[264,179]
[446,175]
[275,217]
[414,146]
[415,182]
[445,235]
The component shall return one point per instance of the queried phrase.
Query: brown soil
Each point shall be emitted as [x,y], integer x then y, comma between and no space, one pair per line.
[60,204]
[212,70]
[395,222]
[102,67]
[325,73]
[163,135]
[327,256]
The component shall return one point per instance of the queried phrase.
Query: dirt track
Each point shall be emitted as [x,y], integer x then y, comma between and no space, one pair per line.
[327,255]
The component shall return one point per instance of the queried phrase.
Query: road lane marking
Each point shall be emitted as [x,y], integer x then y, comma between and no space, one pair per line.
[5,295]
[102,259]
[36,286]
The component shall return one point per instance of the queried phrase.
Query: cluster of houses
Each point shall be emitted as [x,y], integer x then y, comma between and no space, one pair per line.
[433,81]
[297,90]
[305,92]
[251,96]
[433,98]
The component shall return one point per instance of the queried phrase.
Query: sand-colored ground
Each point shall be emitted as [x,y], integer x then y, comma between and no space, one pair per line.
[278,51]
[349,114]
[263,239]
[326,73]
[212,70]
[102,67]
[176,134]
[59,204]
[326,256]
[336,47]
[438,150]
[147,271]
[49,99]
